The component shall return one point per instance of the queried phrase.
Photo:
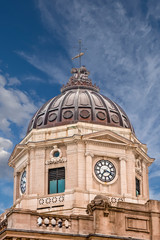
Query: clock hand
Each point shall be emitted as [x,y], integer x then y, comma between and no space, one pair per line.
[105,170]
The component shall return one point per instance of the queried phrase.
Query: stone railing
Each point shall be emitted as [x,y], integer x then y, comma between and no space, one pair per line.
[55,222]
[56,200]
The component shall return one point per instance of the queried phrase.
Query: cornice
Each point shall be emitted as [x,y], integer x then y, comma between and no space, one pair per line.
[105,143]
[12,160]
[145,157]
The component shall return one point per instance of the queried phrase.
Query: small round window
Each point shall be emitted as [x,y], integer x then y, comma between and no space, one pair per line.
[56,154]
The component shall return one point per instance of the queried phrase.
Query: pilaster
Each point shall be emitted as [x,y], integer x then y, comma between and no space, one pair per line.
[123,175]
[89,157]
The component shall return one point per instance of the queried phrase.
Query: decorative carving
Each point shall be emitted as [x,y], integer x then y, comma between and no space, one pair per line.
[99,203]
[52,117]
[101,115]
[138,166]
[68,114]
[102,203]
[84,113]
[56,156]
[39,121]
[51,200]
[115,118]
[80,78]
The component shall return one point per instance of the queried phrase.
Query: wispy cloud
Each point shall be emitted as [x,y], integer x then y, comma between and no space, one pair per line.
[33,78]
[123,53]
[48,66]
[154,195]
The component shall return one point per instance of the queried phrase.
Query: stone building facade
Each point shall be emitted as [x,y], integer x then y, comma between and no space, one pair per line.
[80,172]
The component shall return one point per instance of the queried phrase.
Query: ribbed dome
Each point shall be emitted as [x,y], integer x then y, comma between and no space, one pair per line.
[80,101]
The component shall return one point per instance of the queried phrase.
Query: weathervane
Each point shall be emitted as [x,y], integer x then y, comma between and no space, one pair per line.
[80,52]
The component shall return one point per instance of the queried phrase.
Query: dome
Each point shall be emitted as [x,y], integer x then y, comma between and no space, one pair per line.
[79,101]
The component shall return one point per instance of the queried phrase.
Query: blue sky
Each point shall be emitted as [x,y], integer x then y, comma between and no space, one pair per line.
[39,38]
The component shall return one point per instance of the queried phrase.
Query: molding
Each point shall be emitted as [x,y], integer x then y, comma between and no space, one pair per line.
[19,232]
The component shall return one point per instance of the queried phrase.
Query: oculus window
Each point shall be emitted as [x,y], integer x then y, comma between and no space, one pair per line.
[56,180]
[137,187]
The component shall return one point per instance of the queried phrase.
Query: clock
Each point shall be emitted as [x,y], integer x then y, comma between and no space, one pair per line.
[23,182]
[105,170]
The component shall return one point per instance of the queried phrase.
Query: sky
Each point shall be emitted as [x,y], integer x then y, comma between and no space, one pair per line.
[38,39]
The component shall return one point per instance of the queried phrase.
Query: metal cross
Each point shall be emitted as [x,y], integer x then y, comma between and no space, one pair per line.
[80,52]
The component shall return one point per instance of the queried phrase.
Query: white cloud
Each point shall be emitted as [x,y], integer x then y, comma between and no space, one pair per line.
[5,143]
[6,171]
[15,107]
[13,81]
[2,81]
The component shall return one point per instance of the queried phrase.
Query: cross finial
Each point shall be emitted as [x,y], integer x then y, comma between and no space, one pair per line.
[80,52]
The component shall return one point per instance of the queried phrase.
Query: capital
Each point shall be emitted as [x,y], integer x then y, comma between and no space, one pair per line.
[122,159]
[89,154]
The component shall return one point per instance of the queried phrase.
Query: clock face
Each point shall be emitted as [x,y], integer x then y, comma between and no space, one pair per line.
[105,170]
[23,182]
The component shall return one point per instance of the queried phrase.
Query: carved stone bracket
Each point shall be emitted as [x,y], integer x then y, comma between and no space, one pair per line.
[99,203]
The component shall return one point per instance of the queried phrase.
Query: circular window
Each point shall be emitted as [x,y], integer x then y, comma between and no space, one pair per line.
[56,154]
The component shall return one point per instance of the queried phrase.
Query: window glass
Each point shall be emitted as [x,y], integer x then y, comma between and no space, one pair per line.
[56,180]
[61,185]
[137,187]
[53,186]
[56,154]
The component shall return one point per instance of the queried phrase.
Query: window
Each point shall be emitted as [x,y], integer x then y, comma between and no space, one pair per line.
[137,187]
[56,180]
